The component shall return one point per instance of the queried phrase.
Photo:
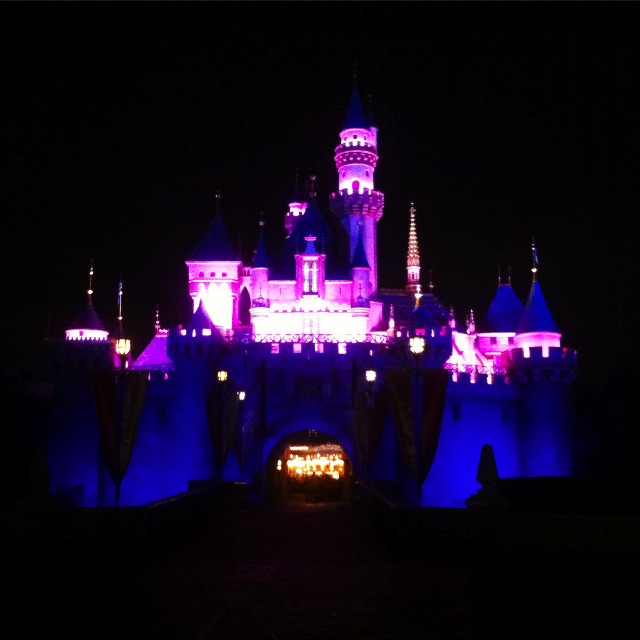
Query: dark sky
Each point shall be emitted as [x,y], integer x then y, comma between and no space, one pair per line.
[500,121]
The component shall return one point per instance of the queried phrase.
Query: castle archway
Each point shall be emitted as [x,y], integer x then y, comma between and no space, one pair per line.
[308,466]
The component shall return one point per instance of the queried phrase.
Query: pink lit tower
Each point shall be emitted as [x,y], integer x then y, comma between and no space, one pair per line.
[356,203]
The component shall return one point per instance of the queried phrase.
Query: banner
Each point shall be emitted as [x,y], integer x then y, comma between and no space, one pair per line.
[417,401]
[119,399]
[222,416]
[370,411]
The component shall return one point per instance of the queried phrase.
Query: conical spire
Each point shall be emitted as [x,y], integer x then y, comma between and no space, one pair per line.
[413,255]
[200,320]
[356,118]
[536,316]
[87,320]
[216,244]
[505,309]
[261,259]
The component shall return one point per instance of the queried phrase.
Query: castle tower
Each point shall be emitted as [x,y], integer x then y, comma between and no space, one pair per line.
[356,199]
[87,325]
[413,256]
[260,272]
[536,327]
[87,345]
[297,207]
[215,272]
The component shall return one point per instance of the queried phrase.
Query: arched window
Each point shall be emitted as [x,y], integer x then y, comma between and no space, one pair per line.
[310,274]
[243,309]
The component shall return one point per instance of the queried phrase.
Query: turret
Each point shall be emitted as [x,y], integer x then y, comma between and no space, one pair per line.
[260,272]
[87,325]
[536,327]
[86,346]
[356,200]
[215,272]
[297,207]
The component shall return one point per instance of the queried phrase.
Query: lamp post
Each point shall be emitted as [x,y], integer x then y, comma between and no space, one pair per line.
[417,346]
[241,398]
[370,376]
[122,346]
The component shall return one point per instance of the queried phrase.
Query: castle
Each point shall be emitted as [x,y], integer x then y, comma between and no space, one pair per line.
[300,368]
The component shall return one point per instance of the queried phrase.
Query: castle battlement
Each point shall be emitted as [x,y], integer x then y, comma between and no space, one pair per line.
[541,357]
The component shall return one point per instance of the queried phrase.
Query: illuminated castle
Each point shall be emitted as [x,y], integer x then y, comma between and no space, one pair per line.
[302,351]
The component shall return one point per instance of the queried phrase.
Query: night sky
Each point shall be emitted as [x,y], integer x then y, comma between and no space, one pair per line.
[499,121]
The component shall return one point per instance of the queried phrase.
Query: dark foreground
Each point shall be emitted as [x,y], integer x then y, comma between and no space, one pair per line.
[339,571]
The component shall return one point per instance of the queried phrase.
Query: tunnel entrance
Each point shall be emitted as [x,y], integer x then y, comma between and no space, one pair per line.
[308,467]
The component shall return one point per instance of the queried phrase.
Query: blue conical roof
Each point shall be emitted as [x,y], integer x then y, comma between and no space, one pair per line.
[200,320]
[216,244]
[536,315]
[88,319]
[356,118]
[505,310]
[261,258]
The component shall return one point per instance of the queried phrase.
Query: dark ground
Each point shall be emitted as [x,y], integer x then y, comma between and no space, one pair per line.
[319,570]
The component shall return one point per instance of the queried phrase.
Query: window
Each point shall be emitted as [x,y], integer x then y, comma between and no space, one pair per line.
[494,340]
[310,275]
[212,274]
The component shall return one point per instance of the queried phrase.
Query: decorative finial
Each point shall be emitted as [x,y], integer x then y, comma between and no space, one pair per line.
[90,290]
[157,325]
[430,282]
[261,223]
[218,198]
[120,301]
[354,74]
[471,323]
[499,277]
[509,275]
[534,269]
[312,186]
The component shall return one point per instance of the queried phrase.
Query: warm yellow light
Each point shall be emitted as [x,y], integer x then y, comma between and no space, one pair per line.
[123,346]
[222,376]
[416,344]
[370,375]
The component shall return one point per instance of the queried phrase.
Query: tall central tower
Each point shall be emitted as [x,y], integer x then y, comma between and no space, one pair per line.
[356,203]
